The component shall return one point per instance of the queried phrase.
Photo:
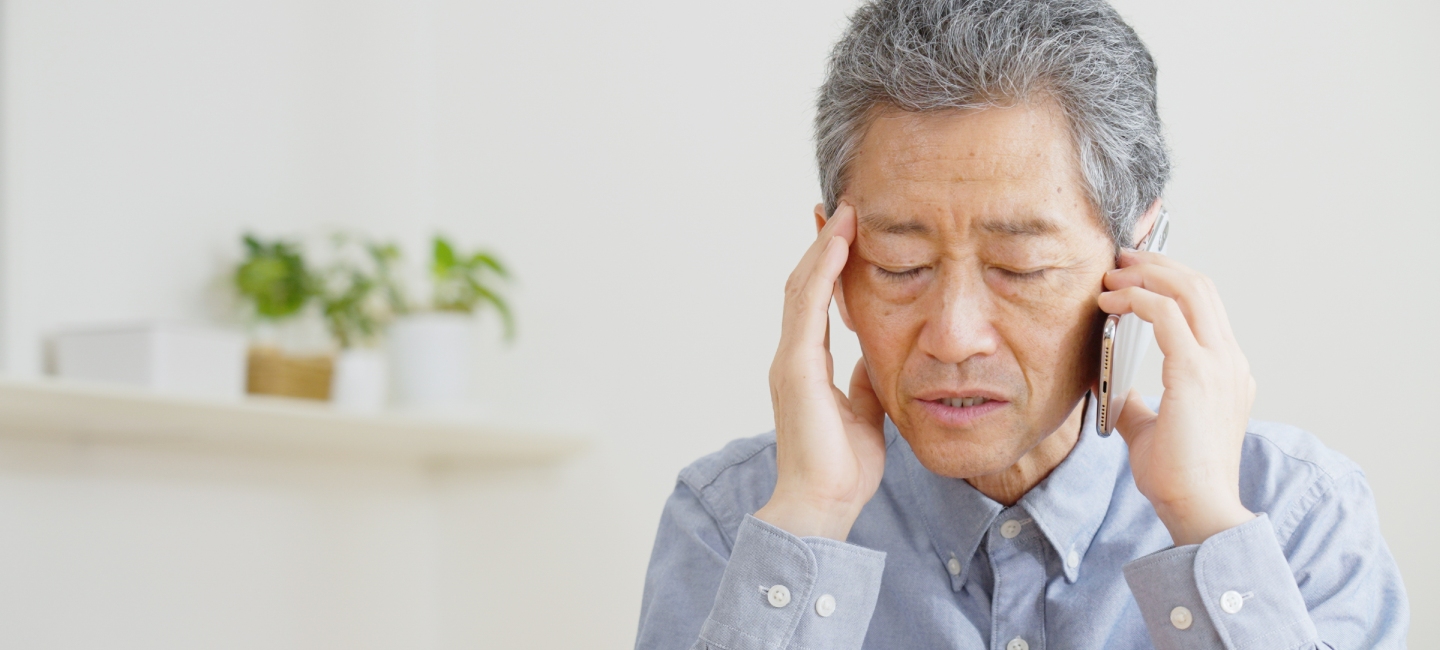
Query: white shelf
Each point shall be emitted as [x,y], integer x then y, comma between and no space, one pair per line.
[55,410]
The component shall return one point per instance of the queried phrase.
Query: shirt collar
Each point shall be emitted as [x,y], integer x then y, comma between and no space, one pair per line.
[1068,506]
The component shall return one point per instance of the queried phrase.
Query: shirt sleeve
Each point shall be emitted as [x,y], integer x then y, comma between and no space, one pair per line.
[770,589]
[1333,584]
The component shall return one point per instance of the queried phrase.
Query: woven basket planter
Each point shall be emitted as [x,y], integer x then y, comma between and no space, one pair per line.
[272,372]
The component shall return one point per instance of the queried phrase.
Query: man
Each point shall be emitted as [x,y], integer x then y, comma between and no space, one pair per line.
[986,166]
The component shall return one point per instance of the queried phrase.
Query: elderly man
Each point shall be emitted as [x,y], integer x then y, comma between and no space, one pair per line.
[987,166]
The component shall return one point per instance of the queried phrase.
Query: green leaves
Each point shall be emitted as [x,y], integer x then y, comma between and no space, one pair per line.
[463,283]
[359,290]
[346,312]
[274,277]
[385,256]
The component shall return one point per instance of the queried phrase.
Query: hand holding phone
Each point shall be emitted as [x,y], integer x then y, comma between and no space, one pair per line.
[1185,458]
[1124,342]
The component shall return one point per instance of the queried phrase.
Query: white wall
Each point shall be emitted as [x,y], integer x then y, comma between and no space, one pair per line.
[646,167]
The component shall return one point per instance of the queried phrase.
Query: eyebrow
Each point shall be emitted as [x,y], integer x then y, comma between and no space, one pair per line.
[1023,227]
[892,226]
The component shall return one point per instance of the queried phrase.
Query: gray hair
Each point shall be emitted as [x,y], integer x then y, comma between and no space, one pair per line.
[931,55]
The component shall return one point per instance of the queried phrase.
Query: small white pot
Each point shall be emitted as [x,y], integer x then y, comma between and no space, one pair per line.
[431,356]
[359,381]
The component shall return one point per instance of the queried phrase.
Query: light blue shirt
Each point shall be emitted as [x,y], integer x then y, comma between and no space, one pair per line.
[1081,561]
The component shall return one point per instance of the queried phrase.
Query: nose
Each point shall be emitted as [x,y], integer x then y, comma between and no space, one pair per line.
[959,323]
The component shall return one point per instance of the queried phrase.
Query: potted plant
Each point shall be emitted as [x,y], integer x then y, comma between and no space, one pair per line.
[358,296]
[432,351]
[275,282]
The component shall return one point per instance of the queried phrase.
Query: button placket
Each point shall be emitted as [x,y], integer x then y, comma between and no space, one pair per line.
[1012,527]
[1019,564]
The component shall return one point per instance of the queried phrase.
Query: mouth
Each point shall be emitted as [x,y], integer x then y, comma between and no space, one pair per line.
[961,410]
[963,402]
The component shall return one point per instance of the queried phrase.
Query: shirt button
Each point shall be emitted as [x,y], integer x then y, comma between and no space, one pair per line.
[1009,530]
[953,566]
[779,596]
[1181,618]
[825,606]
[1073,559]
[1017,643]
[1231,602]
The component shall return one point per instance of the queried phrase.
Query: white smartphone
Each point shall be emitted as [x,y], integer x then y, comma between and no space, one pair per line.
[1124,342]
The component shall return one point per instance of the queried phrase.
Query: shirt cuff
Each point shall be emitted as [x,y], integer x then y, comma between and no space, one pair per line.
[782,591]
[1234,590]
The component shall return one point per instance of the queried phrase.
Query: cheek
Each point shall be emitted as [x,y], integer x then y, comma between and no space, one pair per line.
[1053,340]
[872,302]
[887,330]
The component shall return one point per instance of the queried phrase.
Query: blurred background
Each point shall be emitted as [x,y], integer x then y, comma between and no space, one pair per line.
[645,171]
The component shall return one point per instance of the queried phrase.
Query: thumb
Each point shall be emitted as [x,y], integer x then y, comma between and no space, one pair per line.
[1136,418]
[863,401]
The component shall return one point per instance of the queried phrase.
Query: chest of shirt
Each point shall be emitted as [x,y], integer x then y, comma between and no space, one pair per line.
[1016,590]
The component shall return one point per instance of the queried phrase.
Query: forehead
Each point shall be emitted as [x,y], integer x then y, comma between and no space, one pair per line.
[1011,162]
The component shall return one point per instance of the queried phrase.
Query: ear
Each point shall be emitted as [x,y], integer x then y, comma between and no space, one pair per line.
[1147,220]
[820,220]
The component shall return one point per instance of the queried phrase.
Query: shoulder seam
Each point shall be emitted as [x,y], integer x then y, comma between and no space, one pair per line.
[1323,485]
[699,489]
[1323,469]
[711,508]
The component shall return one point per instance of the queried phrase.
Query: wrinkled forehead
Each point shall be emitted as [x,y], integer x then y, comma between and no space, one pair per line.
[1004,171]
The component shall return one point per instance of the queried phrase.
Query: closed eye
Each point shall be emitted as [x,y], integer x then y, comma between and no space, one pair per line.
[898,275]
[1035,274]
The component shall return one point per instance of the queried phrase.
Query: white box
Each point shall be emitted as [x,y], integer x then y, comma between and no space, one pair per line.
[173,358]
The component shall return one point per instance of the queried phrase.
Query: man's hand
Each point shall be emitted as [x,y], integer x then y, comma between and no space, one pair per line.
[1186,460]
[830,449]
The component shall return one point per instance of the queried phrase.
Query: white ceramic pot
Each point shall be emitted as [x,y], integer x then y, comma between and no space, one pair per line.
[431,356]
[359,381]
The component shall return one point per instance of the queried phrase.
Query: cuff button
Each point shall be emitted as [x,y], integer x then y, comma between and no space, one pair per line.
[825,605]
[779,596]
[1180,617]
[1231,602]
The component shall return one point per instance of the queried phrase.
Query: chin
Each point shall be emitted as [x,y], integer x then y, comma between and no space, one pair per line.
[965,453]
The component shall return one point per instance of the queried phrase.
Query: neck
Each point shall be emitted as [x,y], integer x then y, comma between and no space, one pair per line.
[1006,487]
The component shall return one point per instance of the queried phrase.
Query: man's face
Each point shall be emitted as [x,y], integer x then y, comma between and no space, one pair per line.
[973,279]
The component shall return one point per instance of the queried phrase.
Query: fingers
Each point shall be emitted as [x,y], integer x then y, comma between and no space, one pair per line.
[811,286]
[843,220]
[1194,293]
[1172,331]
[840,224]
[1135,418]
[808,304]
[1130,257]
